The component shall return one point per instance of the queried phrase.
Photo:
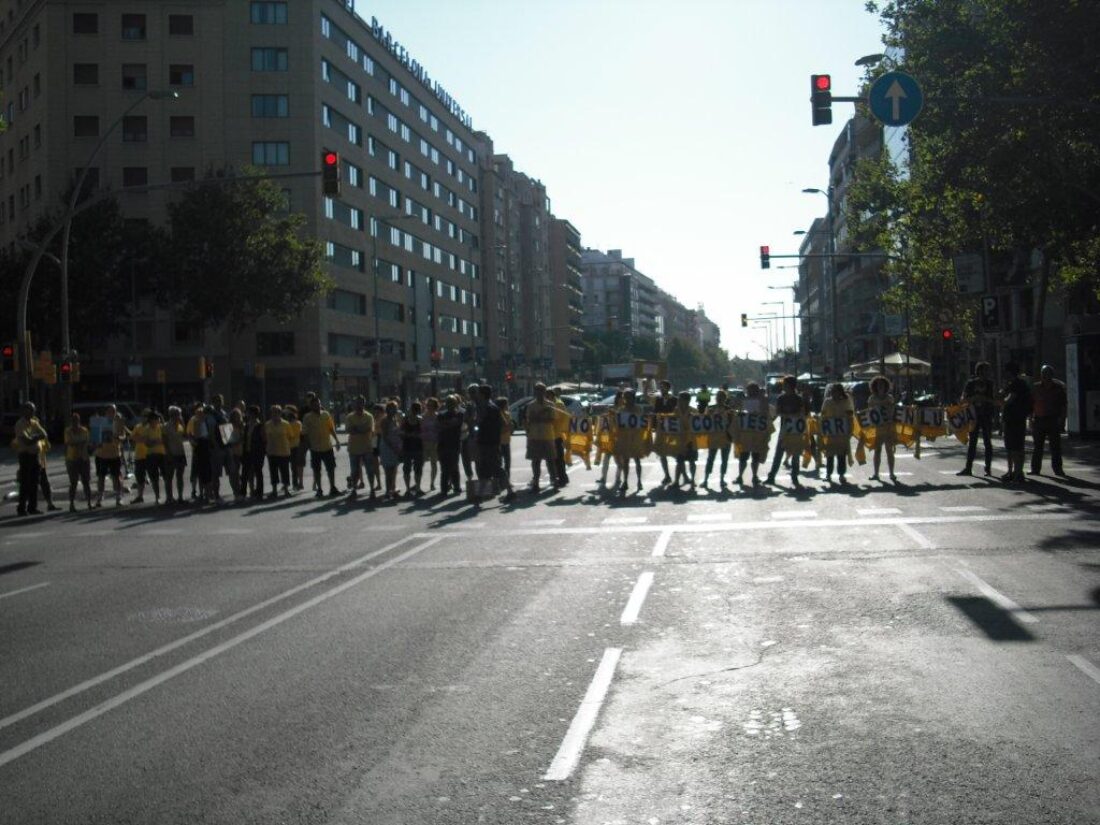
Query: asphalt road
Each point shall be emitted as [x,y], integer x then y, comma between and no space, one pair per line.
[919,653]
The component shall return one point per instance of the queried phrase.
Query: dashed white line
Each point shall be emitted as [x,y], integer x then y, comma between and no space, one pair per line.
[878,511]
[702,517]
[998,598]
[782,514]
[572,746]
[93,534]
[1086,667]
[917,536]
[637,598]
[1046,507]
[308,530]
[27,535]
[663,539]
[233,531]
[964,508]
[161,532]
[144,687]
[548,522]
[626,520]
[23,590]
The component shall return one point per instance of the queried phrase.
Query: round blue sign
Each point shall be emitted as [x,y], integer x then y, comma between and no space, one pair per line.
[895,99]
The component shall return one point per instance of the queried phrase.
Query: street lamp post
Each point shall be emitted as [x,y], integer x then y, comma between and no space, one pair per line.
[833,302]
[66,229]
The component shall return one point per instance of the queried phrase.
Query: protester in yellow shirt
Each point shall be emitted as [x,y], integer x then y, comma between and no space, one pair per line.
[320,432]
[359,425]
[175,456]
[77,443]
[540,416]
[631,441]
[506,428]
[29,433]
[108,454]
[297,446]
[837,415]
[277,440]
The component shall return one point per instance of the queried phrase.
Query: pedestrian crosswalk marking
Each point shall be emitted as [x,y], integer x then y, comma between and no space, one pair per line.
[710,517]
[782,514]
[964,508]
[879,511]
[626,520]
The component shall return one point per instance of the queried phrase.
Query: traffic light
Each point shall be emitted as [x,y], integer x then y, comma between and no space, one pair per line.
[330,174]
[948,334]
[509,376]
[744,319]
[765,257]
[66,372]
[821,99]
[7,355]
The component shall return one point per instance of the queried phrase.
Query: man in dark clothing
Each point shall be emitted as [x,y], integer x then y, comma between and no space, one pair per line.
[450,443]
[979,393]
[469,417]
[789,405]
[490,425]
[1048,419]
[1014,413]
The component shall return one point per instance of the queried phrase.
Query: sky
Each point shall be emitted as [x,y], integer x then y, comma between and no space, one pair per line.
[678,132]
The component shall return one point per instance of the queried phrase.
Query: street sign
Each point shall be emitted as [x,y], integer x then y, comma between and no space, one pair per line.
[895,99]
[969,273]
[134,370]
[893,325]
[991,313]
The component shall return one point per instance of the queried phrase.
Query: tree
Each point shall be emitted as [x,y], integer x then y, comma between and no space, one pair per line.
[102,246]
[1004,154]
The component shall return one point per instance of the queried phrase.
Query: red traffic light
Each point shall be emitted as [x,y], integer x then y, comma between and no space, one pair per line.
[331,158]
[948,335]
[823,82]
[509,376]
[66,368]
[7,351]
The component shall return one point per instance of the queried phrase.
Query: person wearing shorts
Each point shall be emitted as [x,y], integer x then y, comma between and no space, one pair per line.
[277,444]
[175,457]
[77,443]
[359,426]
[320,434]
[108,456]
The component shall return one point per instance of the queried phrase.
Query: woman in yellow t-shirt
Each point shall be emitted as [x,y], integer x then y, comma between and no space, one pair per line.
[632,439]
[277,445]
[297,448]
[77,443]
[175,456]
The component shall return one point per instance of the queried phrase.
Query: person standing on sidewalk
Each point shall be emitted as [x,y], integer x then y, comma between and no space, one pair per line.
[175,458]
[359,427]
[450,440]
[78,440]
[320,433]
[1048,419]
[28,434]
[979,392]
[540,415]
[277,446]
[108,455]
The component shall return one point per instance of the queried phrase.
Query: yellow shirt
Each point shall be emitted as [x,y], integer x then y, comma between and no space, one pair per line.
[278,438]
[76,443]
[506,427]
[141,449]
[25,431]
[295,433]
[540,421]
[154,439]
[173,438]
[360,427]
[319,430]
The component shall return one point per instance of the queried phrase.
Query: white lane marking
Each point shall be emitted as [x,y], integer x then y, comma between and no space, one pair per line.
[663,539]
[144,687]
[198,634]
[701,517]
[998,598]
[572,746]
[308,530]
[233,531]
[903,474]
[93,534]
[1086,667]
[964,508]
[23,590]
[548,522]
[626,520]
[467,525]
[637,597]
[878,511]
[781,514]
[1046,507]
[161,532]
[949,472]
[922,541]
[27,535]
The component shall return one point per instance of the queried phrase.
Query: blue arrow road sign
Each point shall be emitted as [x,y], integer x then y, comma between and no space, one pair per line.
[896,99]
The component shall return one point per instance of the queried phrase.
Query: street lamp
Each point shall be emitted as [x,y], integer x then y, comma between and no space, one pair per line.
[67,222]
[783,309]
[833,303]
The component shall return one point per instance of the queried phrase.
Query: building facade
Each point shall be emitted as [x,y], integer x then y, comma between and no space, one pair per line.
[617,297]
[567,298]
[269,85]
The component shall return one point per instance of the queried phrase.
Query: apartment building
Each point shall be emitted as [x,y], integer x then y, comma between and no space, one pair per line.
[567,298]
[617,296]
[270,85]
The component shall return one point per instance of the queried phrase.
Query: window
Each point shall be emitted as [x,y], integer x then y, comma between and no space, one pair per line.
[181,74]
[271,153]
[134,77]
[86,126]
[343,256]
[352,303]
[274,343]
[184,334]
[133,27]
[390,310]
[37,135]
[135,176]
[135,129]
[269,13]
[182,174]
[346,345]
[181,25]
[85,23]
[270,106]
[181,126]
[85,74]
[269,60]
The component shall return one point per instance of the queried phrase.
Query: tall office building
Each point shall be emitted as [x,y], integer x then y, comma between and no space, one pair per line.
[618,297]
[567,298]
[270,85]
